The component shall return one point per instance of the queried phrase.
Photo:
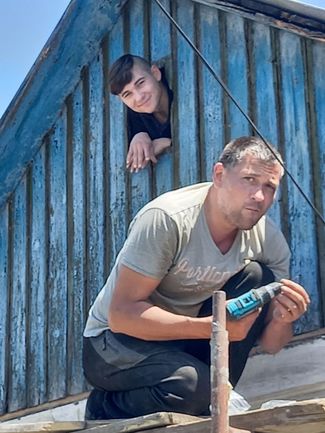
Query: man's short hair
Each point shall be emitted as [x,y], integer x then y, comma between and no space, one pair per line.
[120,73]
[236,150]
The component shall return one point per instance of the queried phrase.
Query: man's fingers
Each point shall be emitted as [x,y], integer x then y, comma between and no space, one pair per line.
[292,287]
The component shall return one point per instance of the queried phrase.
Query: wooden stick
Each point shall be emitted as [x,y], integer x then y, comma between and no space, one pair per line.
[219,366]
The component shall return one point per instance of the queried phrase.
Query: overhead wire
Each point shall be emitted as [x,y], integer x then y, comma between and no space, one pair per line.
[232,98]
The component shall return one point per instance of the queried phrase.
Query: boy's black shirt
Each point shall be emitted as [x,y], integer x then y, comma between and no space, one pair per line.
[146,122]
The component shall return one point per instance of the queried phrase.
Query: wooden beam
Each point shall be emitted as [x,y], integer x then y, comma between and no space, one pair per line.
[299,417]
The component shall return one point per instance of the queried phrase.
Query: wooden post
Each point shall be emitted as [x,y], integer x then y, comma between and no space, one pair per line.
[219,366]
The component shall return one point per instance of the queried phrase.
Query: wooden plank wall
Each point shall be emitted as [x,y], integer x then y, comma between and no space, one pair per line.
[66,221]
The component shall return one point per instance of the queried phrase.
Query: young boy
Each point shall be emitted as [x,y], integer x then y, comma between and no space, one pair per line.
[145,92]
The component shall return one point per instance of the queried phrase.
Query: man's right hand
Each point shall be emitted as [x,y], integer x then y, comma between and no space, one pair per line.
[140,152]
[238,329]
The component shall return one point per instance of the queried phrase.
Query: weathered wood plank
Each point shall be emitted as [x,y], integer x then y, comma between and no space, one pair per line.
[264,93]
[117,153]
[210,91]
[18,313]
[237,79]
[4,306]
[298,160]
[160,48]
[318,67]
[96,234]
[57,262]
[77,239]
[46,426]
[300,417]
[144,423]
[187,151]
[140,183]
[37,360]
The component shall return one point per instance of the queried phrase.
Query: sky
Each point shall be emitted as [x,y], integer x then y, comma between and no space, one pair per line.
[25,26]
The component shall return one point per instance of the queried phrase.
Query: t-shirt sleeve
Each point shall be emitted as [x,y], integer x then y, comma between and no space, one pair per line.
[276,253]
[151,244]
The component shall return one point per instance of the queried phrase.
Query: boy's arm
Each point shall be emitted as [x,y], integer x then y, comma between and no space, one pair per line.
[161,144]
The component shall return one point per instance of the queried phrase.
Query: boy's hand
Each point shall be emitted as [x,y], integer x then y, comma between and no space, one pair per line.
[140,152]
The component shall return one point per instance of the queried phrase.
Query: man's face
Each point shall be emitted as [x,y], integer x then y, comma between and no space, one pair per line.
[246,191]
[143,93]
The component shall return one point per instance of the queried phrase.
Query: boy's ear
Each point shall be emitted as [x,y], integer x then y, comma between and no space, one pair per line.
[156,72]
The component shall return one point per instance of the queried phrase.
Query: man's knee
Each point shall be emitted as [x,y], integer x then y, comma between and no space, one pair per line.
[188,390]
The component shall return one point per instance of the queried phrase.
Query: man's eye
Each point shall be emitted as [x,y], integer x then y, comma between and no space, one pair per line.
[249,179]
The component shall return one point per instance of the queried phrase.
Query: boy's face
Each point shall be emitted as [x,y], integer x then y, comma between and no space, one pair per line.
[143,93]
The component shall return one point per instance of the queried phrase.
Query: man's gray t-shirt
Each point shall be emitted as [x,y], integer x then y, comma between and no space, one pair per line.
[169,240]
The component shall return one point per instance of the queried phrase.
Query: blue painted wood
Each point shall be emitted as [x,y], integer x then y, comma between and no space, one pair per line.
[160,48]
[265,94]
[318,65]
[117,154]
[18,318]
[236,60]
[186,98]
[69,236]
[73,44]
[57,263]
[140,182]
[210,93]
[4,308]
[95,205]
[318,68]
[77,240]
[37,296]
[298,159]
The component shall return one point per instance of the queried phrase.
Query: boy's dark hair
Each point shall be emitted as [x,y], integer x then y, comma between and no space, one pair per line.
[120,73]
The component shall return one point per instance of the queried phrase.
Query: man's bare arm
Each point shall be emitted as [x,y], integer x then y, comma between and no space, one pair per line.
[132,313]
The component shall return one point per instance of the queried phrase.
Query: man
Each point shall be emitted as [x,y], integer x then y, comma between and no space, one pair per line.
[146,341]
[144,90]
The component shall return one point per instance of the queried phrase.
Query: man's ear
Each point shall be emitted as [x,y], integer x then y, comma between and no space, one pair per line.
[218,170]
[156,72]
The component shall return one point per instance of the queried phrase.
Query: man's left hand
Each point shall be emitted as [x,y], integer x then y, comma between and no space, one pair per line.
[291,303]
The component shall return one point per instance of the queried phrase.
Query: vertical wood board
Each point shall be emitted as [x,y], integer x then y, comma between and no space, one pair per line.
[96,235]
[76,242]
[140,183]
[186,97]
[117,153]
[237,78]
[210,92]
[4,306]
[37,295]
[297,155]
[160,48]
[18,307]
[57,274]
